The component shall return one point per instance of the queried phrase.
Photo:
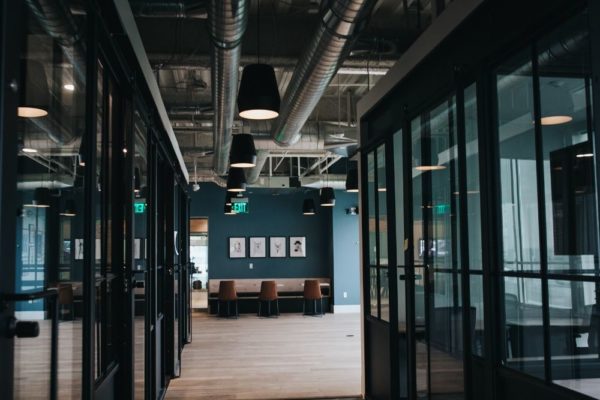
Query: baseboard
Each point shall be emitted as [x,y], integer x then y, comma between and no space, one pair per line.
[346,309]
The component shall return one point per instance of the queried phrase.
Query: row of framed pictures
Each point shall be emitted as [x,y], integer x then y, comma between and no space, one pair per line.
[257,246]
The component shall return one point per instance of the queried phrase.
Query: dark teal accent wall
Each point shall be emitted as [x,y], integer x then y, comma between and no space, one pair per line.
[346,250]
[270,215]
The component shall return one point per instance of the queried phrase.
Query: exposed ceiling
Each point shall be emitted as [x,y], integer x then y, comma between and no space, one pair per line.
[177,41]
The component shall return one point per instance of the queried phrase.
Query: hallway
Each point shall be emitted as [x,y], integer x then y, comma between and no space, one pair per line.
[284,358]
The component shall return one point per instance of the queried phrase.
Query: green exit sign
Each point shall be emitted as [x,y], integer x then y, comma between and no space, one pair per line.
[139,208]
[441,209]
[239,208]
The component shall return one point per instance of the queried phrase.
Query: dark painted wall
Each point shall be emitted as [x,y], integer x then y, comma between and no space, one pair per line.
[346,250]
[270,215]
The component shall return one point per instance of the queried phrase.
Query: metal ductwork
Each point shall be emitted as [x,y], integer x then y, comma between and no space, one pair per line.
[228,20]
[217,180]
[57,21]
[261,158]
[321,181]
[341,22]
[169,9]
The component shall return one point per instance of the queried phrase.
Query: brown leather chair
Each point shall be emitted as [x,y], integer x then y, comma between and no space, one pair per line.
[268,294]
[65,299]
[227,294]
[312,291]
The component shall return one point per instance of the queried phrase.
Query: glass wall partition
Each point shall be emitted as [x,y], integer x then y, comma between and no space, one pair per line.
[377,244]
[549,202]
[50,189]
[140,250]
[438,267]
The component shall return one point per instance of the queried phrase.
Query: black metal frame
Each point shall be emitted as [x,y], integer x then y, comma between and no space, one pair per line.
[378,126]
[101,30]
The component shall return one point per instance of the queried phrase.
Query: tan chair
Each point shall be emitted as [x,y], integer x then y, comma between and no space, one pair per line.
[227,294]
[268,294]
[65,299]
[312,291]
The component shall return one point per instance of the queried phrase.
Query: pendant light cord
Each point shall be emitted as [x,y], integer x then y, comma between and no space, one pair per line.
[258,32]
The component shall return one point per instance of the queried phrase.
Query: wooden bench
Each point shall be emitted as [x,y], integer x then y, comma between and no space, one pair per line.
[287,289]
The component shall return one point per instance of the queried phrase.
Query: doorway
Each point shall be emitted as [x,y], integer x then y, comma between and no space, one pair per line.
[199,260]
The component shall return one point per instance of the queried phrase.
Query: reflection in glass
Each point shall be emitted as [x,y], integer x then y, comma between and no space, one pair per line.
[523,325]
[373,298]
[381,201]
[384,294]
[140,254]
[50,187]
[575,335]
[477,321]
[518,181]
[401,272]
[371,193]
[569,179]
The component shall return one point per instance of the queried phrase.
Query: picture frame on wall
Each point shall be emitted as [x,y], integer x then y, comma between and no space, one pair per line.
[258,247]
[277,247]
[297,246]
[237,247]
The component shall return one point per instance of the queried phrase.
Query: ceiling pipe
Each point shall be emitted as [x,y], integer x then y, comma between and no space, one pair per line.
[341,23]
[320,181]
[254,173]
[169,9]
[227,24]
[57,21]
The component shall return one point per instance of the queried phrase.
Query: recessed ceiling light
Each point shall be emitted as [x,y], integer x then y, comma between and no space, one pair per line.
[70,87]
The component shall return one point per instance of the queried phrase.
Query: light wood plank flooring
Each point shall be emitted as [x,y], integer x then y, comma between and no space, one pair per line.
[290,357]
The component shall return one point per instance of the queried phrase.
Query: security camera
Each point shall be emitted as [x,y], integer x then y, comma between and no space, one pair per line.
[195,187]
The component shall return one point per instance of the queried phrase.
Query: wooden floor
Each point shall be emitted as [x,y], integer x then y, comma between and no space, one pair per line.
[291,357]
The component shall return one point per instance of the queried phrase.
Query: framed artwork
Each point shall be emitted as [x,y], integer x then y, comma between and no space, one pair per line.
[237,247]
[258,247]
[297,246]
[277,247]
[79,249]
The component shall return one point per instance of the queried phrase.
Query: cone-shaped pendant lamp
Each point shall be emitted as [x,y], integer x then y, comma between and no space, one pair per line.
[258,97]
[236,181]
[70,210]
[243,152]
[34,95]
[327,198]
[352,180]
[308,207]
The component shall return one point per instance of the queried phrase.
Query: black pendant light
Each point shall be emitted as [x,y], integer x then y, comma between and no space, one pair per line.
[228,210]
[41,197]
[556,105]
[34,96]
[327,198]
[258,97]
[308,207]
[352,180]
[70,209]
[236,181]
[243,152]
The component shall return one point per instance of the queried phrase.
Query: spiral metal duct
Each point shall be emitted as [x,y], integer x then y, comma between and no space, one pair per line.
[341,22]
[227,24]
